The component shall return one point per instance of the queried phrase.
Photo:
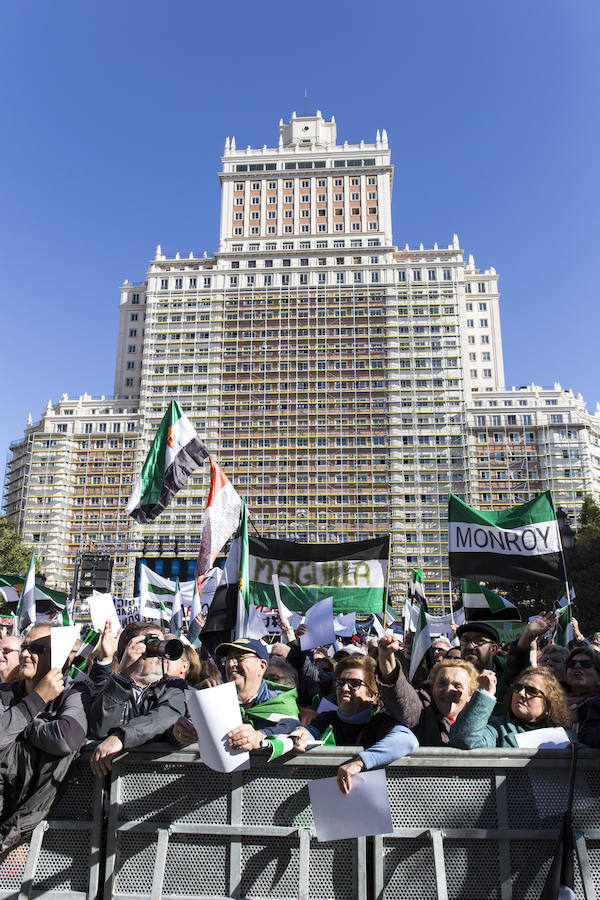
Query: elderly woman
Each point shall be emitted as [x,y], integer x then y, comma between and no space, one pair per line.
[428,711]
[356,721]
[582,668]
[534,700]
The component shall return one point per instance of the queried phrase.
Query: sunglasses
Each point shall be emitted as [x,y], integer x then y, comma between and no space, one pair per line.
[352,683]
[582,663]
[529,690]
[475,642]
[37,649]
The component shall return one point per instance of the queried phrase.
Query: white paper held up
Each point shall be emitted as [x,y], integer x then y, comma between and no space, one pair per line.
[543,738]
[319,625]
[61,644]
[214,712]
[325,705]
[102,610]
[344,624]
[365,810]
[284,613]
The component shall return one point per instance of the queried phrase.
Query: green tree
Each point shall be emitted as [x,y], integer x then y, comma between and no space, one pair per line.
[583,562]
[14,555]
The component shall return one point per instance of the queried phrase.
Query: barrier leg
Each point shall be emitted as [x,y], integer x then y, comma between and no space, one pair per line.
[440,867]
[35,848]
[584,866]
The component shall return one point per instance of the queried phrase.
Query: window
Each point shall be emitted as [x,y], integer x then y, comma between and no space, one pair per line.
[481,287]
[164,284]
[483,323]
[447,274]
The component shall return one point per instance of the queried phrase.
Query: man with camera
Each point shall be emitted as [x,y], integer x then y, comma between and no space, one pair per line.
[139,702]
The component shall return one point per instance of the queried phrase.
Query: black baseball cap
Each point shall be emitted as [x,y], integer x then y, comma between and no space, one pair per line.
[479,628]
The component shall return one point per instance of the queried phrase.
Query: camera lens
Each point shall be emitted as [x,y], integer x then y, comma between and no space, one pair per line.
[171,649]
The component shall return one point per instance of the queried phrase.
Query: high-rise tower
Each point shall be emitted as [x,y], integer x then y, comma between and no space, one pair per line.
[330,372]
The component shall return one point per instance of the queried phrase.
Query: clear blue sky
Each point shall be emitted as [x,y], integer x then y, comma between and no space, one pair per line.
[115,115]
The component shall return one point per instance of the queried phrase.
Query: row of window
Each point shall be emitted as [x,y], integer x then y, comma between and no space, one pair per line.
[305,229]
[304,261]
[306,164]
[338,244]
[303,278]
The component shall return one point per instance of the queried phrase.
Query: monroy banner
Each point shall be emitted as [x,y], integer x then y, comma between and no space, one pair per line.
[354,574]
[518,544]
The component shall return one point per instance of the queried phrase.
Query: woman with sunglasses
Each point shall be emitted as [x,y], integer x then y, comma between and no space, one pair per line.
[582,667]
[534,700]
[357,722]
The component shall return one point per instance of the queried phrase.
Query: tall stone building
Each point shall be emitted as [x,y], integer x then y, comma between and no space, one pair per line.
[336,378]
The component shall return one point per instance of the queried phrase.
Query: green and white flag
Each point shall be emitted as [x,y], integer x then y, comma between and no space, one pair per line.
[175,453]
[26,610]
[421,643]
[176,626]
[416,589]
[563,633]
[282,708]
[518,544]
[281,743]
[88,646]
[354,574]
[157,594]
[481,603]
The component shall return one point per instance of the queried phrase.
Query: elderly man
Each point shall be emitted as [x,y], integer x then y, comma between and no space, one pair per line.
[9,655]
[479,645]
[266,708]
[139,703]
[42,727]
[439,647]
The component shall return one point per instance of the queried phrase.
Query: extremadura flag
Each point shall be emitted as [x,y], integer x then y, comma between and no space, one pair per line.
[354,574]
[518,544]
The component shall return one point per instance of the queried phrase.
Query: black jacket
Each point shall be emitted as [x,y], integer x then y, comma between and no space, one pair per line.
[116,710]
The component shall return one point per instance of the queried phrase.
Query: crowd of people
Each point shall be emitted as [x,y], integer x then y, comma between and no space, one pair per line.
[131,691]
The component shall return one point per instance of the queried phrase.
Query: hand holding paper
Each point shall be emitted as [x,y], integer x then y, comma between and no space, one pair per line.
[102,610]
[215,712]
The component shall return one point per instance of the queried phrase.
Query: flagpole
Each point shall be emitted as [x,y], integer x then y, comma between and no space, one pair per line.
[387,582]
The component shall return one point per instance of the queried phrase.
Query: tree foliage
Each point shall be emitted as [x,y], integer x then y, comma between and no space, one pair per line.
[14,555]
[583,563]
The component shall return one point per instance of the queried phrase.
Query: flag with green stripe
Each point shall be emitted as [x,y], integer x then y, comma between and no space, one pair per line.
[518,544]
[563,633]
[175,453]
[354,574]
[421,643]
[283,706]
[481,603]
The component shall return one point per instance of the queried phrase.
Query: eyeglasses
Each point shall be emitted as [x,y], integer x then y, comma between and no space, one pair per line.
[352,683]
[4,652]
[528,689]
[582,663]
[35,649]
[475,642]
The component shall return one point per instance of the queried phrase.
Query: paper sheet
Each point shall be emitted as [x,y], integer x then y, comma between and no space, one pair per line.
[319,625]
[365,810]
[214,712]
[293,618]
[325,705]
[543,738]
[61,644]
[344,624]
[102,610]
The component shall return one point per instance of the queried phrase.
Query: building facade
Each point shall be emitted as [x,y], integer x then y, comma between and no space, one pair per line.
[336,378]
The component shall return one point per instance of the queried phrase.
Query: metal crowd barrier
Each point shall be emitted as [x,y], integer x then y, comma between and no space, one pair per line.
[467,826]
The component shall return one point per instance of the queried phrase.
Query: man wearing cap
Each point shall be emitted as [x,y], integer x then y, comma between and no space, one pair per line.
[479,645]
[266,708]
